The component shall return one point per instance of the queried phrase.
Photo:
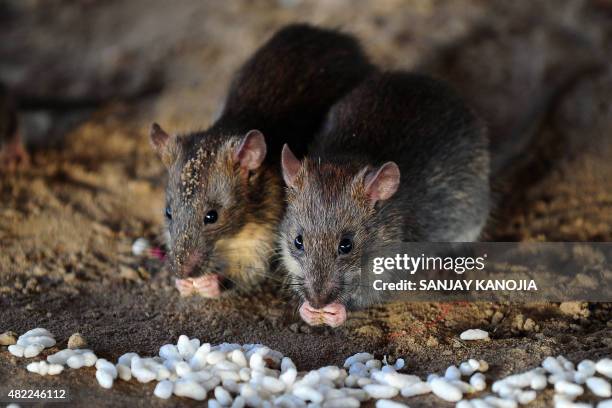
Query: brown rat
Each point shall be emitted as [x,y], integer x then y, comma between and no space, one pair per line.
[12,152]
[224,195]
[401,158]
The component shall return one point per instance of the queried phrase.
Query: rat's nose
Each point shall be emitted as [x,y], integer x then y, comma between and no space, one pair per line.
[188,269]
[320,300]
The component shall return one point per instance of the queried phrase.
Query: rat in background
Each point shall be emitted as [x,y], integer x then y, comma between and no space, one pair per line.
[12,152]
[225,198]
[401,158]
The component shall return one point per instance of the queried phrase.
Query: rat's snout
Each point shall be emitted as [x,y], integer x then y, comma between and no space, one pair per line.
[319,300]
[187,266]
[321,295]
[321,290]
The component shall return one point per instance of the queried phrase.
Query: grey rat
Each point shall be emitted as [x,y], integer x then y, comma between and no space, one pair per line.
[532,66]
[225,195]
[401,158]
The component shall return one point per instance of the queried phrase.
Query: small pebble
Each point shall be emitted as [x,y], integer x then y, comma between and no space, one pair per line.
[586,367]
[105,365]
[599,387]
[452,373]
[105,379]
[538,382]
[240,402]
[478,381]
[342,402]
[33,350]
[604,367]
[379,391]
[474,334]
[8,338]
[16,350]
[500,402]
[164,389]
[223,397]
[467,369]
[385,403]
[126,359]
[187,348]
[189,389]
[76,341]
[306,393]
[445,390]
[140,246]
[273,385]
[526,397]
[124,372]
[43,368]
[213,403]
[399,364]
[419,388]
[358,358]
[568,388]
[395,379]
[552,365]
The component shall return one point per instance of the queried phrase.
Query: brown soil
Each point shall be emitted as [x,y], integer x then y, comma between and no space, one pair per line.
[68,221]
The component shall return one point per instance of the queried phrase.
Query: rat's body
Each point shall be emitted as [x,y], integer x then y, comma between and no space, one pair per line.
[224,195]
[348,196]
[12,153]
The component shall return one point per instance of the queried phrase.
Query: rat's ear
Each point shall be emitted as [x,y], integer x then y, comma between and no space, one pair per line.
[252,151]
[161,143]
[382,183]
[291,166]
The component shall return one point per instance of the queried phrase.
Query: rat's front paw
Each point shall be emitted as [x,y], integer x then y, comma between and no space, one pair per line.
[185,287]
[333,315]
[207,286]
[311,315]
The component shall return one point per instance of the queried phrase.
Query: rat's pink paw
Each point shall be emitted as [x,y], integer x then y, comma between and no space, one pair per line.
[207,286]
[185,287]
[333,314]
[310,315]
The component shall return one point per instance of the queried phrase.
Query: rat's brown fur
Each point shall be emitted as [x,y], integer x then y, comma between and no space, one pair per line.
[250,204]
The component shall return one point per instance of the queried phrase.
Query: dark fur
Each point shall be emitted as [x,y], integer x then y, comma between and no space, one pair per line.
[8,117]
[288,85]
[441,149]
[283,90]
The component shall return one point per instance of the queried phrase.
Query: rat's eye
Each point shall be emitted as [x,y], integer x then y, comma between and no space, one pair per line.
[299,243]
[168,213]
[211,217]
[346,245]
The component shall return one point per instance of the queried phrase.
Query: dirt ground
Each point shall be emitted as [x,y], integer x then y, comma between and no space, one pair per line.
[68,221]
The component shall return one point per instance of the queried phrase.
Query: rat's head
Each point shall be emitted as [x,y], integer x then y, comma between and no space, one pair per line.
[329,223]
[207,196]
